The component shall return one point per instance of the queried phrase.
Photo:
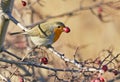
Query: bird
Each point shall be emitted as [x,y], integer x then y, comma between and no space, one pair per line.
[45,34]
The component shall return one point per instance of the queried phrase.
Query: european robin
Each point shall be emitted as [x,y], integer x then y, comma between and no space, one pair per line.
[45,34]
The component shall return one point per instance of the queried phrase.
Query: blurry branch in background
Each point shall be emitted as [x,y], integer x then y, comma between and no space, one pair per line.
[98,6]
[6,6]
[86,69]
[75,62]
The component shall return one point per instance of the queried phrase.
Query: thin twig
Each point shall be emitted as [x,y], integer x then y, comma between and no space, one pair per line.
[9,53]
[64,58]
[105,58]
[17,67]
[3,78]
[113,59]
[29,63]
[73,62]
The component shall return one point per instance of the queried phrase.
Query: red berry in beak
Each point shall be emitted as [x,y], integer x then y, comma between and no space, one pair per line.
[24,3]
[66,29]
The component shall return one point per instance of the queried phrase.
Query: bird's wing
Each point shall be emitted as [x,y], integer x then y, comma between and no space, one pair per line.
[45,30]
[33,31]
[42,30]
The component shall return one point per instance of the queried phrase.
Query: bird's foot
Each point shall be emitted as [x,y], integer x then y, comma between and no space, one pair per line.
[49,46]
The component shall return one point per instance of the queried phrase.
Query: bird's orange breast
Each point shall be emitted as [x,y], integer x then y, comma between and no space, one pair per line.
[57,33]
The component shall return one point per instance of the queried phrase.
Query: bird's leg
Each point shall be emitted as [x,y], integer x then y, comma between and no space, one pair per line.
[32,50]
[35,47]
[49,46]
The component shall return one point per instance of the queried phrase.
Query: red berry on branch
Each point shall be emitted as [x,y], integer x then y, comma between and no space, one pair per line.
[21,79]
[24,3]
[104,68]
[100,10]
[115,72]
[44,60]
[102,79]
[98,62]
[95,80]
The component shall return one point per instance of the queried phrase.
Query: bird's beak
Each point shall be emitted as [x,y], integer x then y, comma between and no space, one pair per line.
[66,29]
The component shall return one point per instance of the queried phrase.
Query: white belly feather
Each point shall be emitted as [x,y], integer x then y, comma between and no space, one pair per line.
[42,41]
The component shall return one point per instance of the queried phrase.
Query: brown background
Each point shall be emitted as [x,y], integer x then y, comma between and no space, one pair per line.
[87,32]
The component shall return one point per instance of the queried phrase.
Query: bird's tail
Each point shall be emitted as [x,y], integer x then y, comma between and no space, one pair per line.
[14,33]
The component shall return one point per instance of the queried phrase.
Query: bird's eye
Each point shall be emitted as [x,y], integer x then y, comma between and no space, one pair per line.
[58,26]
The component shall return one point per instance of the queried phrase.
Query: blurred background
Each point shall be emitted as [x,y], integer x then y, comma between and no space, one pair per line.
[90,33]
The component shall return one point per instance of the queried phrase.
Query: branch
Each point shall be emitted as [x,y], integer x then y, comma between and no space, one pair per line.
[64,58]
[16,22]
[70,13]
[11,54]
[76,63]
[29,63]
[6,5]
[36,65]
[4,79]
